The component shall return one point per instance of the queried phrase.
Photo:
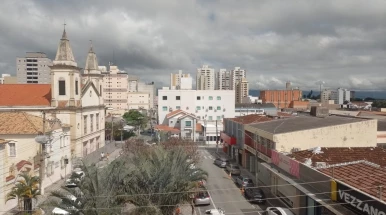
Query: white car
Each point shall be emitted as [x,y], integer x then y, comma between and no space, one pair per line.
[277,211]
[217,211]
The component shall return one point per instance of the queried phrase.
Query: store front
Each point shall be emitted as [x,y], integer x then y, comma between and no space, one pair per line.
[229,143]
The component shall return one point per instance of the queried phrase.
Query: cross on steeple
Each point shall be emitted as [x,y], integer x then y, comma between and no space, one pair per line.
[64,25]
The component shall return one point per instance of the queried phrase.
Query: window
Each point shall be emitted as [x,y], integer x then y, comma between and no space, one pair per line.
[198,108]
[164,108]
[218,97]
[164,98]
[188,123]
[178,97]
[210,118]
[218,108]
[210,97]
[12,149]
[198,98]
[178,107]
[76,87]
[85,124]
[210,108]
[62,87]
[97,121]
[91,123]
[218,117]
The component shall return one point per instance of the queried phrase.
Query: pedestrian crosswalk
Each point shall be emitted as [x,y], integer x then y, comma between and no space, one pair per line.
[206,155]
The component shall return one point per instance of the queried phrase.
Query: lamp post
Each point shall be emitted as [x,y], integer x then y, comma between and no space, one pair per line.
[43,139]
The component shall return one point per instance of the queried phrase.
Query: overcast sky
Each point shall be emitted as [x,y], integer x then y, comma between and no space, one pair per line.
[342,42]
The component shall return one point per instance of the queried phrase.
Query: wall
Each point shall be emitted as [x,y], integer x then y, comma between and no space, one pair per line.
[280,98]
[357,134]
[138,100]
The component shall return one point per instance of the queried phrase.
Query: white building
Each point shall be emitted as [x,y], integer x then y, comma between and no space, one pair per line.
[19,152]
[148,88]
[340,96]
[209,105]
[3,76]
[205,78]
[252,100]
[34,68]
[114,93]
[325,96]
[181,81]
[224,80]
[237,76]
[138,101]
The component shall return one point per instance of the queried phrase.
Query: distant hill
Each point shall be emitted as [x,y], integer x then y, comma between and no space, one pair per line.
[358,94]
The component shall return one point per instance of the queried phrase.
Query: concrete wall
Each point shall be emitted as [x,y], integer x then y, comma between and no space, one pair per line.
[357,134]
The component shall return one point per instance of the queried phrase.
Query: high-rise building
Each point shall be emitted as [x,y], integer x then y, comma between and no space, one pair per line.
[34,68]
[340,96]
[325,96]
[205,78]
[133,84]
[115,85]
[237,75]
[224,80]
[242,89]
[180,81]
[148,88]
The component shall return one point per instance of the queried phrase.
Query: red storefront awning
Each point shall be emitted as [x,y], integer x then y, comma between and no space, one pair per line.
[228,139]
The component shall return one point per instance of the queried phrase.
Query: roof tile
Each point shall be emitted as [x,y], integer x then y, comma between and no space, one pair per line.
[25,95]
[21,123]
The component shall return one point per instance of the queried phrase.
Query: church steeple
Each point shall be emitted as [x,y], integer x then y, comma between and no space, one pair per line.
[91,62]
[64,55]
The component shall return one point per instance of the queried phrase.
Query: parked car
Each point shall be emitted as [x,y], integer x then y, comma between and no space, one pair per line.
[277,211]
[234,169]
[202,198]
[217,211]
[255,195]
[243,181]
[221,162]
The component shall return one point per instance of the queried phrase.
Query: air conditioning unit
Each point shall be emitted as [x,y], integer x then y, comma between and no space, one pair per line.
[215,110]
[206,110]
[196,111]
[320,164]
[170,109]
[224,109]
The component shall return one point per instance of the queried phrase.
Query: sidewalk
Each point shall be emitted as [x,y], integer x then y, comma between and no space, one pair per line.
[273,200]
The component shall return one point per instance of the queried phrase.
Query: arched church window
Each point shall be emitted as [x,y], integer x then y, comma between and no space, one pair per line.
[62,86]
[76,86]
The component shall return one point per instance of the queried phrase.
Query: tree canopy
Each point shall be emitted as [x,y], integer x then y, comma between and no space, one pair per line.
[135,118]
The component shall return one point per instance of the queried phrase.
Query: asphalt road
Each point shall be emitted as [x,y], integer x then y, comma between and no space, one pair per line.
[222,189]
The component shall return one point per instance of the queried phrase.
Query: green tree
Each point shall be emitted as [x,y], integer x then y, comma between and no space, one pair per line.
[379,104]
[25,189]
[118,128]
[136,118]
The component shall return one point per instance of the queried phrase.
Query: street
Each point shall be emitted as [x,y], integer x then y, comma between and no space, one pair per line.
[222,189]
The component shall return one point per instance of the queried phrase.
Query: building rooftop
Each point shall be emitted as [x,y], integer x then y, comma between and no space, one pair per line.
[303,123]
[362,176]
[267,105]
[336,155]
[166,128]
[25,95]
[21,123]
[248,119]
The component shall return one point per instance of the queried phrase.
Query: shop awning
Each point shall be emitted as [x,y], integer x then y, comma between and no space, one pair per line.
[228,139]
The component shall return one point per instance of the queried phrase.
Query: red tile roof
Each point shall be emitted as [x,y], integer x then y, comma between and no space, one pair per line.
[8,178]
[166,128]
[173,113]
[335,155]
[25,95]
[22,163]
[362,176]
[252,118]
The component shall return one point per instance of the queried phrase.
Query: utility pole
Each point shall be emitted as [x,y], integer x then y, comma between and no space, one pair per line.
[42,157]
[112,129]
[216,137]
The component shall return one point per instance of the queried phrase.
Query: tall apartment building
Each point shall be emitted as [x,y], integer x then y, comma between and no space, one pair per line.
[325,96]
[242,90]
[133,84]
[140,95]
[115,85]
[205,78]
[34,68]
[148,88]
[281,98]
[224,80]
[181,81]
[340,95]
[237,75]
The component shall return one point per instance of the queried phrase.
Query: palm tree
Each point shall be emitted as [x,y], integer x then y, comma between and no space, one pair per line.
[25,189]
[88,197]
[157,180]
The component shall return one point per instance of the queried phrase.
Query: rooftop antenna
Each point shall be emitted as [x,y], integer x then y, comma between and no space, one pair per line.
[64,24]
[113,56]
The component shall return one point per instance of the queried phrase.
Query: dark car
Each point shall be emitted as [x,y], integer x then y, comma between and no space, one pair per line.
[255,195]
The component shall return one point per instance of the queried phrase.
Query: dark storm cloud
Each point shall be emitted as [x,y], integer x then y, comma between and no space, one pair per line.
[340,42]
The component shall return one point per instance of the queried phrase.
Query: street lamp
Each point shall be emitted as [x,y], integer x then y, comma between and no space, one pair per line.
[112,124]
